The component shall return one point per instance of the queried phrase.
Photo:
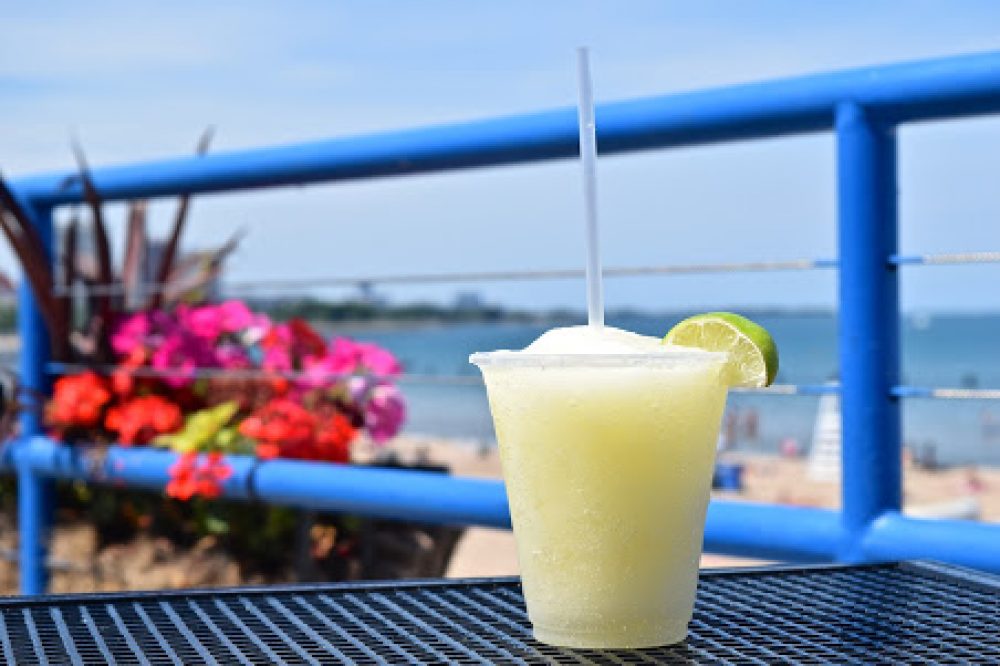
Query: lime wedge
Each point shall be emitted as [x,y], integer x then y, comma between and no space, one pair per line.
[753,356]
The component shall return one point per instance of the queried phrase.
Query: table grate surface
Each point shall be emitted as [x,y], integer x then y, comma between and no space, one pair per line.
[908,613]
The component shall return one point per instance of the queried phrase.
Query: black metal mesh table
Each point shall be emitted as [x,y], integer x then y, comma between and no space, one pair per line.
[909,613]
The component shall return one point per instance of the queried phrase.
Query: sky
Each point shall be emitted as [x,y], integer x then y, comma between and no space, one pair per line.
[137,81]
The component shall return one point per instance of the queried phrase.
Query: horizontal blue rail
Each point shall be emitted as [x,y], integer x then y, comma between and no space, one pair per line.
[947,88]
[388,493]
[736,528]
[894,536]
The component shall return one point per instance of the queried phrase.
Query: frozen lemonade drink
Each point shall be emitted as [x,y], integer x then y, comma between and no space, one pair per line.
[607,440]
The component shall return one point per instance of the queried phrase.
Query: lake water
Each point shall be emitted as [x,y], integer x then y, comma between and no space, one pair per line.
[948,351]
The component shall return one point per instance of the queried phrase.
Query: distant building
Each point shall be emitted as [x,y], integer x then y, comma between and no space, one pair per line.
[469,300]
[368,295]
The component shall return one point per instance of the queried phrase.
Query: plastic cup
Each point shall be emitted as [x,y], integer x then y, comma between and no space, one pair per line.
[608,465]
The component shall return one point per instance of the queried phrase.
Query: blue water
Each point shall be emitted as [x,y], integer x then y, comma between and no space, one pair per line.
[950,351]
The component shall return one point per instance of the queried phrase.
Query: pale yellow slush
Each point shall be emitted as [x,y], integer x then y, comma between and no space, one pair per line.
[607,440]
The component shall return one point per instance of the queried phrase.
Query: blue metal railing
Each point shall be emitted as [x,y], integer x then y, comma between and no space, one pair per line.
[863,107]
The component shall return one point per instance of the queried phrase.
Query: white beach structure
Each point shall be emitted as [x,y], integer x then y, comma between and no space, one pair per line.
[824,451]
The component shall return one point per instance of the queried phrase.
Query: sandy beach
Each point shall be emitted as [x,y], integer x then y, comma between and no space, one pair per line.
[487,552]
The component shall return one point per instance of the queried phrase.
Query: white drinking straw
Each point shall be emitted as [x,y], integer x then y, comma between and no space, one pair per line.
[588,160]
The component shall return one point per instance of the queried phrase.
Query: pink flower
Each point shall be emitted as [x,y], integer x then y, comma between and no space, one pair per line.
[169,358]
[203,321]
[213,321]
[235,316]
[378,361]
[232,357]
[384,412]
[342,356]
[381,404]
[277,359]
[347,356]
[319,372]
[290,345]
[130,333]
[258,329]
[357,389]
[178,354]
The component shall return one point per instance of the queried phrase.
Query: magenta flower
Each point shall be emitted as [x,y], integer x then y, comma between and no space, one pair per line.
[130,333]
[176,350]
[342,356]
[170,359]
[232,357]
[235,316]
[277,359]
[203,321]
[320,372]
[347,356]
[259,327]
[384,412]
[378,361]
[213,321]
[357,389]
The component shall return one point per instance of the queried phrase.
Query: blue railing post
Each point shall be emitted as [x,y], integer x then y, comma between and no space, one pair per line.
[868,322]
[34,492]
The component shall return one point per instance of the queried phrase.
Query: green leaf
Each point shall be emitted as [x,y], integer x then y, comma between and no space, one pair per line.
[215,525]
[201,429]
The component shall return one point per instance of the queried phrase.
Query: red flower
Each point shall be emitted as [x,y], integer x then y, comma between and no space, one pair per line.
[280,385]
[333,439]
[122,379]
[78,400]
[141,419]
[192,475]
[284,427]
[267,451]
[211,475]
[281,423]
[305,340]
[122,382]
[182,483]
[287,345]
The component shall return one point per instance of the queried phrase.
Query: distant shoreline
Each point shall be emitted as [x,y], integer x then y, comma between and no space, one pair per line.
[393,318]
